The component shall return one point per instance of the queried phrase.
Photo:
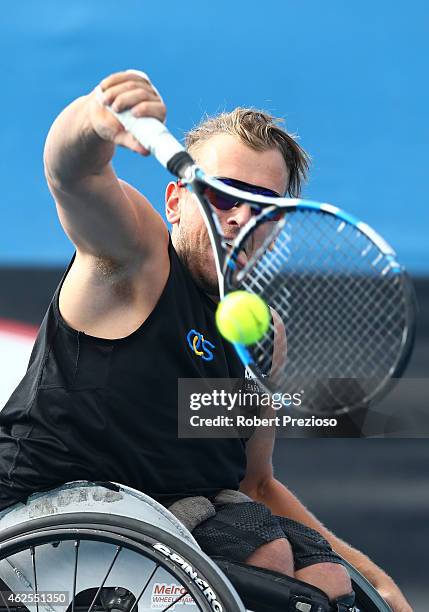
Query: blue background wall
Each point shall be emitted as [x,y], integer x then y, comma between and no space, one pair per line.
[349,77]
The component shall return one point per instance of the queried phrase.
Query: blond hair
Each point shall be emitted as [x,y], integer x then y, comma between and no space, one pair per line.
[260,131]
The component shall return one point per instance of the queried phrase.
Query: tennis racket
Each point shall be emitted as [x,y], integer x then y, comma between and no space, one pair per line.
[342,307]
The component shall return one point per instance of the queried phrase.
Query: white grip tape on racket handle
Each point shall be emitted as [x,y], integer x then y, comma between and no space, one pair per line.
[150,133]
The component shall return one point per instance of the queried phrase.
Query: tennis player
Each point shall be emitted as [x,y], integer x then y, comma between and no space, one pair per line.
[133,313]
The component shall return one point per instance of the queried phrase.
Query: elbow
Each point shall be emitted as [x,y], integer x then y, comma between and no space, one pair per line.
[264,487]
[256,488]
[54,175]
[47,161]
[73,151]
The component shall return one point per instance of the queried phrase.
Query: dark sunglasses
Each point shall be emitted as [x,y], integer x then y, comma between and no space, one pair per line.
[222,201]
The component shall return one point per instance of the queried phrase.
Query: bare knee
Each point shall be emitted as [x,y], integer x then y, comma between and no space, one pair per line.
[276,555]
[332,578]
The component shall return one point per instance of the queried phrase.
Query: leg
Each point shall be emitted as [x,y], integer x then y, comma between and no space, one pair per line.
[315,561]
[248,532]
[332,578]
[276,555]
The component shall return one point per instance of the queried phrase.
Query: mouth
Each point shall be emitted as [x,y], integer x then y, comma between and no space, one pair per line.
[242,257]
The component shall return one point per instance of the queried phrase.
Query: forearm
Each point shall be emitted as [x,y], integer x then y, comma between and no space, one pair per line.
[284,503]
[73,150]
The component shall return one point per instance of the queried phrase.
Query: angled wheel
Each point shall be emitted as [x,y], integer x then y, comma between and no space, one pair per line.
[82,561]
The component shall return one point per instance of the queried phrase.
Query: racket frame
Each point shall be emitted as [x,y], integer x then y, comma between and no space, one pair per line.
[226,260]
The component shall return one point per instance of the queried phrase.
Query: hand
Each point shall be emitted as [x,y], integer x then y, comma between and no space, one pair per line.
[394,597]
[124,91]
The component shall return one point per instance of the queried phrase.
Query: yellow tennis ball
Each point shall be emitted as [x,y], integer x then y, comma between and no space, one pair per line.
[243,317]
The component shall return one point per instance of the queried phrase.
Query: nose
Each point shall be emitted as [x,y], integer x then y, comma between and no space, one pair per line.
[239,215]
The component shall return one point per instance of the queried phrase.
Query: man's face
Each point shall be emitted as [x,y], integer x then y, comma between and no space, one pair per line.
[222,155]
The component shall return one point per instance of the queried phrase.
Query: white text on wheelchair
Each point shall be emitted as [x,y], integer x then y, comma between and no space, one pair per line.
[206,589]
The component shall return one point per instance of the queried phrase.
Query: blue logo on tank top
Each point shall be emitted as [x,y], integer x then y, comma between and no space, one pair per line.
[199,345]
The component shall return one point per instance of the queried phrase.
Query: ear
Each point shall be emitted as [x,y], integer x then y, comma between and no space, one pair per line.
[172,203]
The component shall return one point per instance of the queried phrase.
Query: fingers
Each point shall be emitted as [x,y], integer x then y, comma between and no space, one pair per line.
[124,91]
[140,104]
[120,77]
[124,139]
[116,93]
[132,91]
[150,109]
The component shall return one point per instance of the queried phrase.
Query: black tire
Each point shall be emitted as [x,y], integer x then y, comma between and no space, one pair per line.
[134,535]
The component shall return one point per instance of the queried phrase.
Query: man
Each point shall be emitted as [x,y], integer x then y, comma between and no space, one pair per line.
[99,400]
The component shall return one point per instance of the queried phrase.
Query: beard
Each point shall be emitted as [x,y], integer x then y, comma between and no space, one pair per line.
[199,260]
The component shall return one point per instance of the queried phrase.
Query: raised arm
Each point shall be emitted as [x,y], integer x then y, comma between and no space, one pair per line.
[119,237]
[100,215]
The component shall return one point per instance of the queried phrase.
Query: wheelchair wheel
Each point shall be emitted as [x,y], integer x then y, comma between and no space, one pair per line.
[369,600]
[92,562]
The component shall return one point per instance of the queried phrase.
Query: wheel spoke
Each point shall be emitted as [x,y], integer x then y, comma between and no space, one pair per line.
[5,601]
[145,587]
[76,556]
[33,562]
[118,550]
[175,602]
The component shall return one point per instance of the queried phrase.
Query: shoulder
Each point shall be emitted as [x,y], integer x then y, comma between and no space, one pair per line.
[153,226]
[111,298]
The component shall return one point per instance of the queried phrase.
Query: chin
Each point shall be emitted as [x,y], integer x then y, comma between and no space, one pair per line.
[209,286]
[199,267]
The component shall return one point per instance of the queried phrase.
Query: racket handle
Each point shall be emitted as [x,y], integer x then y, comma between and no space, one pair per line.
[156,138]
[152,134]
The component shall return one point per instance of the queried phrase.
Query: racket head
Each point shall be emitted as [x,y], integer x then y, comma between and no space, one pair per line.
[346,305]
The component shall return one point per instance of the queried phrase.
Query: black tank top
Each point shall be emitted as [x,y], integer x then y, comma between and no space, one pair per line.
[97,409]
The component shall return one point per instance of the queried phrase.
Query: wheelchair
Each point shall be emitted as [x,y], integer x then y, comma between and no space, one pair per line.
[105,547]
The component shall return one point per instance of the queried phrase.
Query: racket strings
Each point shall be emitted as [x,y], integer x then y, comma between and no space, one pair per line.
[340,300]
